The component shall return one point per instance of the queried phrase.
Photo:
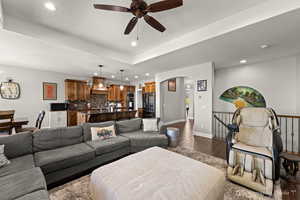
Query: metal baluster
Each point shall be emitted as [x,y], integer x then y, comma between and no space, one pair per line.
[292,134]
[298,135]
[286,120]
[218,127]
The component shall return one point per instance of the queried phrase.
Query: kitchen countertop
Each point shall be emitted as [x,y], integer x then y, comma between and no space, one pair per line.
[98,112]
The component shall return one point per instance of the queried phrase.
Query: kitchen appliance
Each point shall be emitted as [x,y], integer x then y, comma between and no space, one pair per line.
[58,106]
[149,105]
[130,101]
[58,115]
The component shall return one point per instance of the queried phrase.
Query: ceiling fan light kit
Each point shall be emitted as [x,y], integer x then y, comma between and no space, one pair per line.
[140,9]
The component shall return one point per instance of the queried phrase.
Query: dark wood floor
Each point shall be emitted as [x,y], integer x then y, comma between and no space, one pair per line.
[217,148]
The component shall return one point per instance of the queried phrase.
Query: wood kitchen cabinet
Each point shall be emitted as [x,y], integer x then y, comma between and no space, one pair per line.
[115,94]
[76,90]
[149,87]
[72,118]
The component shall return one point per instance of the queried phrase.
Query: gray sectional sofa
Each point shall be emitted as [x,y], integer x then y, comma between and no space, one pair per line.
[52,155]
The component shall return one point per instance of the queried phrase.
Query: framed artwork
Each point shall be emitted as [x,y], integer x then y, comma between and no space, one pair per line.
[49,91]
[172,85]
[10,90]
[201,85]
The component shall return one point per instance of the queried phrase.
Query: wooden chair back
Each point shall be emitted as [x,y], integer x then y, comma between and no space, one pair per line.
[6,121]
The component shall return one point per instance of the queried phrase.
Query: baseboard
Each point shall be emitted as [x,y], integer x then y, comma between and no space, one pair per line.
[174,122]
[202,134]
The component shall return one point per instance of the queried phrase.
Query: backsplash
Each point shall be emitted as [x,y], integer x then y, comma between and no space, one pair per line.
[98,100]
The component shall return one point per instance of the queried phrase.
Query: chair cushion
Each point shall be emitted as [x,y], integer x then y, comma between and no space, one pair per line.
[62,158]
[38,195]
[109,145]
[87,128]
[258,150]
[149,139]
[17,164]
[52,138]
[22,183]
[17,145]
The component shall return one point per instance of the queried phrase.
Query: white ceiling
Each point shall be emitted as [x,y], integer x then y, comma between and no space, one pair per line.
[281,33]
[105,28]
[72,41]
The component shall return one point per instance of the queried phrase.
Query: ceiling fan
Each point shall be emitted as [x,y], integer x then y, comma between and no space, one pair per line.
[140,9]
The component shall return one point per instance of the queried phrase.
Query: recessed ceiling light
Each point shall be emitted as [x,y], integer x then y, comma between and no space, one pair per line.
[95,74]
[50,6]
[127,79]
[112,76]
[243,61]
[264,46]
[147,74]
[134,43]
[136,77]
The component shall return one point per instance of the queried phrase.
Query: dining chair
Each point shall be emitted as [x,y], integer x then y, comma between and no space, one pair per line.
[6,121]
[38,123]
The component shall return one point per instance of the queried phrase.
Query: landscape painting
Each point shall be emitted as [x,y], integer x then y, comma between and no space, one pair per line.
[242,96]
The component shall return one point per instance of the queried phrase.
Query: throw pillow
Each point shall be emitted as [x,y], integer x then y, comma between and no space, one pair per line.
[102,133]
[150,125]
[3,158]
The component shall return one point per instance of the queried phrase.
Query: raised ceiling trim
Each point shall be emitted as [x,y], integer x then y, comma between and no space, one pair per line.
[247,17]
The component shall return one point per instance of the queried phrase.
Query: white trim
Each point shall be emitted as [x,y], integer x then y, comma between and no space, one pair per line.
[202,134]
[174,122]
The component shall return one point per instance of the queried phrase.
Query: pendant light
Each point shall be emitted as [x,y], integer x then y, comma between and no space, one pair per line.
[122,86]
[102,83]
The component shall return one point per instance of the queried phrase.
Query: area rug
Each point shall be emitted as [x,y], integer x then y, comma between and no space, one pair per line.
[79,189]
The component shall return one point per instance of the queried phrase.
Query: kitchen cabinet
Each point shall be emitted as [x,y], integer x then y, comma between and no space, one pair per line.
[76,90]
[149,87]
[115,94]
[72,118]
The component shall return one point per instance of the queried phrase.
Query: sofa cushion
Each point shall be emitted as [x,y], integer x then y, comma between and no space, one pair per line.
[149,139]
[87,128]
[129,125]
[17,145]
[17,165]
[38,195]
[52,138]
[109,145]
[64,157]
[22,183]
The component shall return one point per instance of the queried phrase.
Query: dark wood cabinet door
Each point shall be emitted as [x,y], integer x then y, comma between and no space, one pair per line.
[72,118]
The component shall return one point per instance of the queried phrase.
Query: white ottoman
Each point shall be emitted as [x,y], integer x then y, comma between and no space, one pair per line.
[157,174]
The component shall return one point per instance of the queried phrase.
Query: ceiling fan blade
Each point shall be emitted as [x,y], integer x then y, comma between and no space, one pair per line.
[131,25]
[164,5]
[154,23]
[111,7]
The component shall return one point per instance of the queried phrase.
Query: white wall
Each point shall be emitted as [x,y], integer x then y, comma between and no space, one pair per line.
[202,100]
[31,100]
[173,107]
[277,80]
[1,15]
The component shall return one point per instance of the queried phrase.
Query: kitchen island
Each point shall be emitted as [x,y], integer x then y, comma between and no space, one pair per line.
[95,116]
